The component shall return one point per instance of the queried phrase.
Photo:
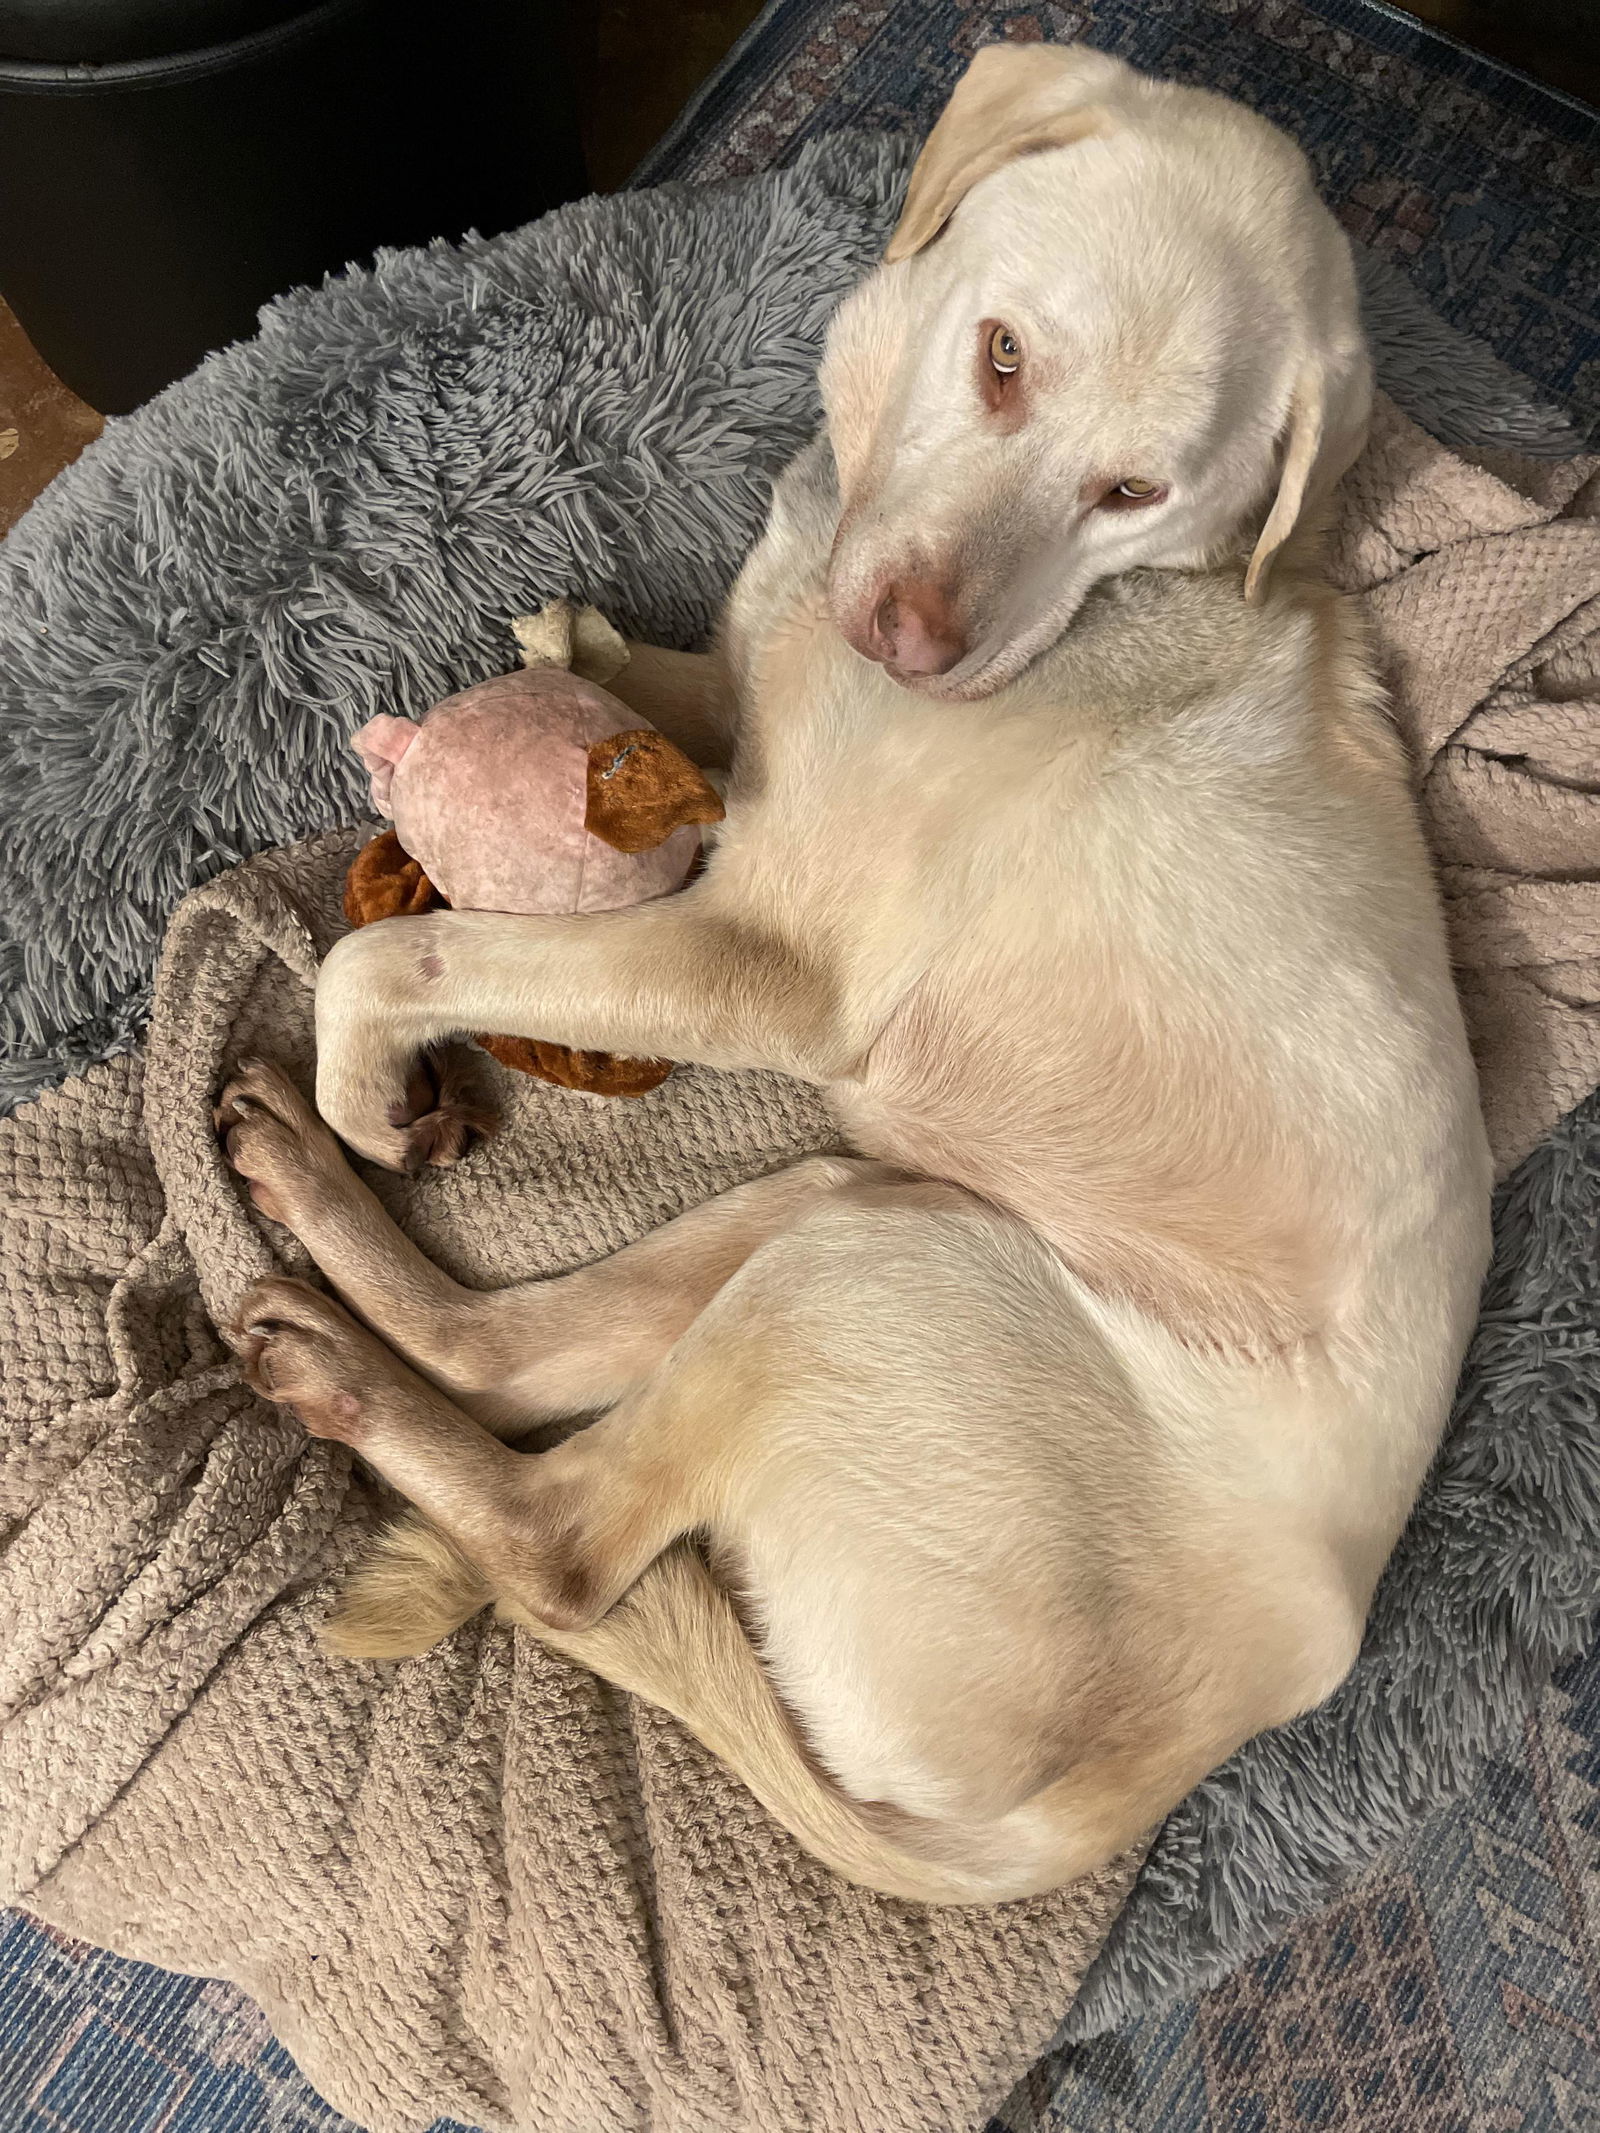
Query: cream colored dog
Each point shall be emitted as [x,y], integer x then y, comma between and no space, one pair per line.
[1053,1446]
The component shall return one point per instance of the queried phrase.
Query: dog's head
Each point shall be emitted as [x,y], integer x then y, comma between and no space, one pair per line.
[1114,328]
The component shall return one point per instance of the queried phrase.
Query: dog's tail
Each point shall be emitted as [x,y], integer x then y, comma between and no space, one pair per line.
[676,1640]
[412,1588]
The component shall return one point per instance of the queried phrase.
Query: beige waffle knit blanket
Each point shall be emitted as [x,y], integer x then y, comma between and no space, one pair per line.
[479,1883]
[482,1883]
[1483,587]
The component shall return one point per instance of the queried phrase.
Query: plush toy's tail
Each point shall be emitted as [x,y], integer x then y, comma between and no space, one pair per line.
[676,1640]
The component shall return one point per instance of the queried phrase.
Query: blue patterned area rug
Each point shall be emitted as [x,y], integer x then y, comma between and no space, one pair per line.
[1478,182]
[92,2044]
[1457,1991]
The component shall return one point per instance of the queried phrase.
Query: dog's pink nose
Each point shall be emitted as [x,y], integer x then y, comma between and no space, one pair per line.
[915,630]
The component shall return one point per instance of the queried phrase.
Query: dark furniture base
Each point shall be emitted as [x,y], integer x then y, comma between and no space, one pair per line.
[150,205]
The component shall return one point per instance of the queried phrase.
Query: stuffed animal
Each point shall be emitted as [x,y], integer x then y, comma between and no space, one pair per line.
[539,792]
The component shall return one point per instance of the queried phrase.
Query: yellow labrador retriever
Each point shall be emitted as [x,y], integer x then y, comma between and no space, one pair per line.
[974,1496]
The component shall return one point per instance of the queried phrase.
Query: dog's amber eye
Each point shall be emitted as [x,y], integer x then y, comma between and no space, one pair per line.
[1133,491]
[1005,351]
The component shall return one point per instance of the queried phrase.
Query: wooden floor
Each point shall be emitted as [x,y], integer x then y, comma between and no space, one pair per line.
[650,57]
[646,57]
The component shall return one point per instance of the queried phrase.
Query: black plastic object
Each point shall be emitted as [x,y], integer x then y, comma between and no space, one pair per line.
[152,199]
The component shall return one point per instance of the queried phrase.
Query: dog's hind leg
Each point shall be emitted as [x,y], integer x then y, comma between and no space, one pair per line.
[541,1349]
[567,1530]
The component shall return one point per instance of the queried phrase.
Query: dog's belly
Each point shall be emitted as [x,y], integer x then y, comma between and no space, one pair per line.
[1157,1175]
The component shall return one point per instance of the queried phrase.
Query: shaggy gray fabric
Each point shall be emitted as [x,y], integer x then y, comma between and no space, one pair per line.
[1457,389]
[338,518]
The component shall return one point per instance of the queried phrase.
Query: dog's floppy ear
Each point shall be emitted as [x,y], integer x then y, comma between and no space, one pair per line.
[1330,395]
[1013,100]
[1326,427]
[1301,447]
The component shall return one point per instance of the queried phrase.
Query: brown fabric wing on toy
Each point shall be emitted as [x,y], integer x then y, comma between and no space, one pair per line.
[600,1073]
[384,882]
[641,789]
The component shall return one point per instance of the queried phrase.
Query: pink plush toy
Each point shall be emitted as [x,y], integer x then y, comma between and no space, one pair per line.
[540,792]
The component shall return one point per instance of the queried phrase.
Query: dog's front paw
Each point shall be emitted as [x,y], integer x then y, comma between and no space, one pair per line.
[427,1119]
[399,1105]
[301,1348]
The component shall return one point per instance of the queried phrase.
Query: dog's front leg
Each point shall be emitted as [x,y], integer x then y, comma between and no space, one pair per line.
[688,696]
[672,979]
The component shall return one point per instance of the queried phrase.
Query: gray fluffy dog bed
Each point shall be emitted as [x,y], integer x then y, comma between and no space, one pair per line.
[337,519]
